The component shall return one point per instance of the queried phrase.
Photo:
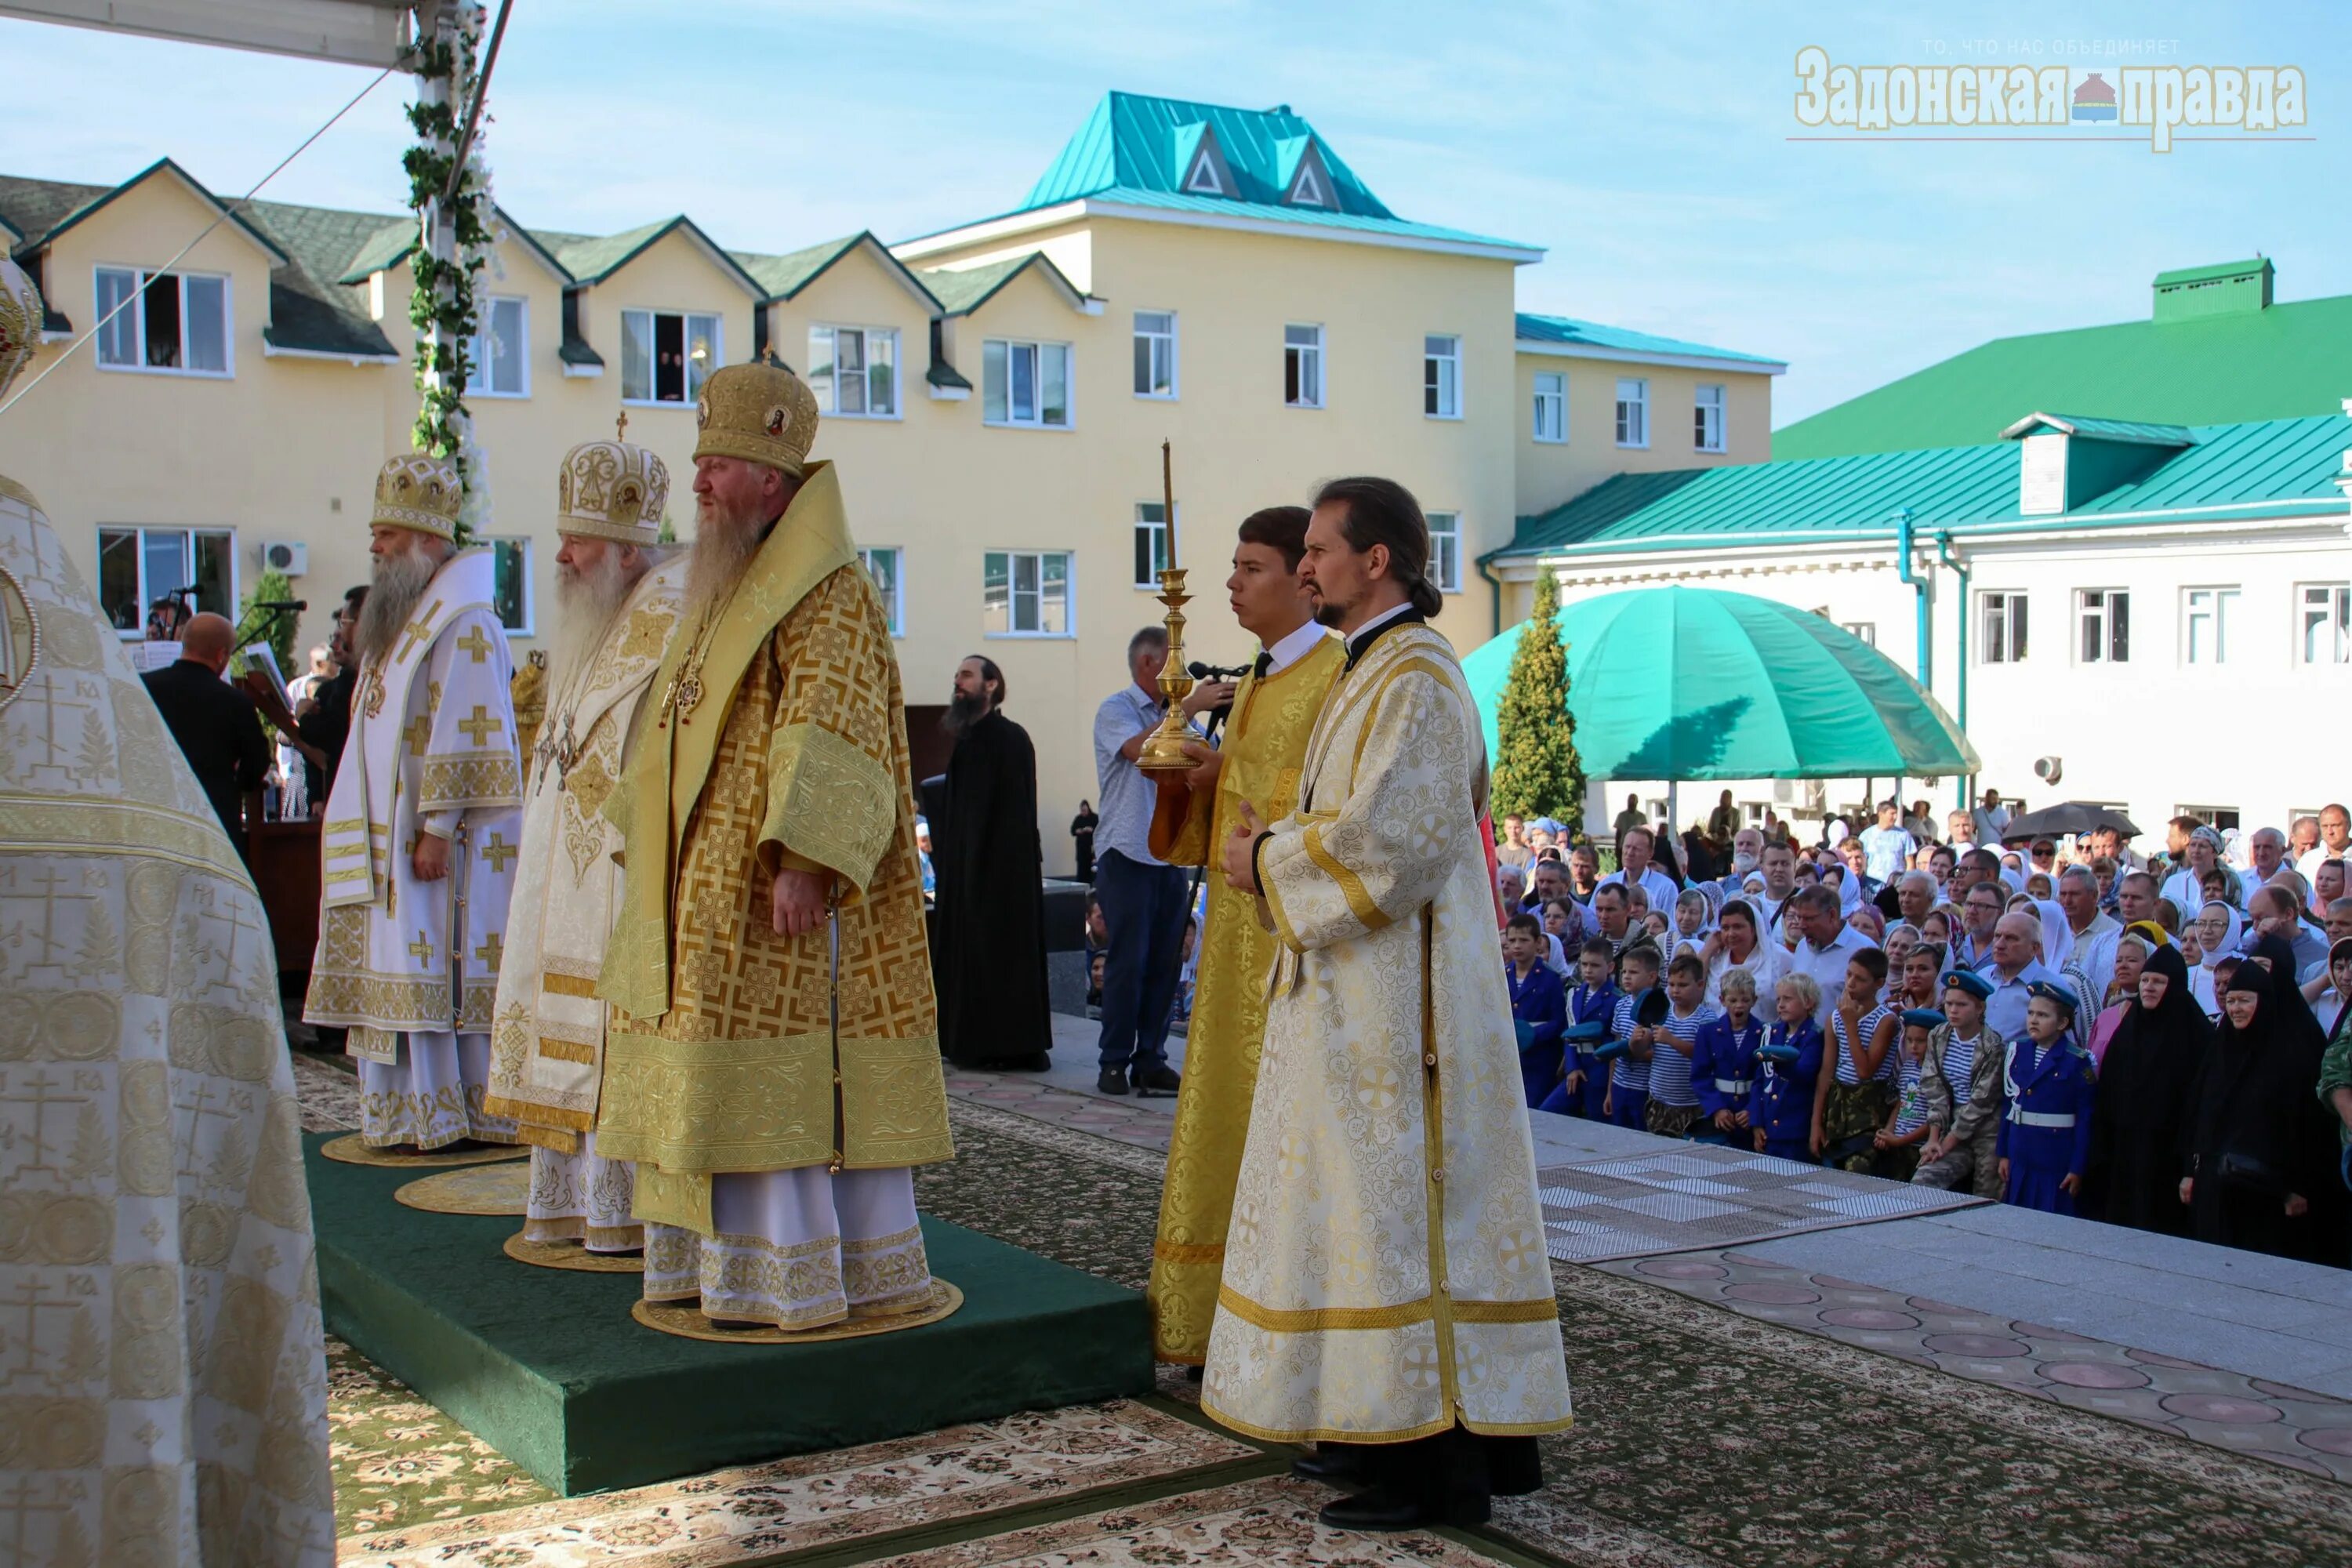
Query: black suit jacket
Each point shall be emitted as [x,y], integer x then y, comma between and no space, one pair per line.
[220,732]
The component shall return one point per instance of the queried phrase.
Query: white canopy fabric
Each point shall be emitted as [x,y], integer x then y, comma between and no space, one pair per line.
[357,32]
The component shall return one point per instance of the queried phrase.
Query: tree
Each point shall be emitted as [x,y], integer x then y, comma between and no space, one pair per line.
[1536,771]
[273,588]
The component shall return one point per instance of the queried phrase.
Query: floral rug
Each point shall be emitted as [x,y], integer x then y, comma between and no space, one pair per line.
[399,1461]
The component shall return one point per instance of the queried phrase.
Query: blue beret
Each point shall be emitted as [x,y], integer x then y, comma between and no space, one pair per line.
[1969,980]
[1923,1018]
[2056,995]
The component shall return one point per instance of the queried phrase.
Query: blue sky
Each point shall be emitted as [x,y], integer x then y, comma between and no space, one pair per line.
[1646,147]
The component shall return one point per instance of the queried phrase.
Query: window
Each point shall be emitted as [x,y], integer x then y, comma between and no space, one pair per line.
[2001,618]
[664,357]
[1707,419]
[500,350]
[1440,378]
[1551,405]
[1025,384]
[1026,594]
[1302,366]
[172,321]
[2105,616]
[854,371]
[137,566]
[2221,817]
[1445,550]
[1150,542]
[1866,630]
[1632,411]
[882,565]
[2207,614]
[2327,623]
[1155,353]
[511,583]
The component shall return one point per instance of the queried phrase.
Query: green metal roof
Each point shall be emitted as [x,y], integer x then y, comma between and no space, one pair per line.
[783,277]
[2273,363]
[2137,432]
[1134,151]
[2220,269]
[2253,469]
[962,290]
[1569,332]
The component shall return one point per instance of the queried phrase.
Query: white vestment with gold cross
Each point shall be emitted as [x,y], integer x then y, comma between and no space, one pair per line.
[412,967]
[1385,1274]
[547,1038]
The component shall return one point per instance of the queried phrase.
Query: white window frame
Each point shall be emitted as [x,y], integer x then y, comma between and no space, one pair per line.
[1550,408]
[2007,606]
[1038,421]
[530,606]
[1441,375]
[1709,398]
[2315,604]
[2096,617]
[1866,631]
[1445,550]
[137,317]
[2221,602]
[1156,528]
[148,592]
[1308,356]
[1633,413]
[1012,605]
[478,350]
[692,389]
[1157,340]
[894,600]
[826,385]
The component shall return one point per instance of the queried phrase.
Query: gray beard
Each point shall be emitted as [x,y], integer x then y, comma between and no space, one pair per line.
[723,546]
[586,606]
[394,591]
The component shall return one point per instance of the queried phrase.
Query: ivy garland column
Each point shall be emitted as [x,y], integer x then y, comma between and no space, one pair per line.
[452,246]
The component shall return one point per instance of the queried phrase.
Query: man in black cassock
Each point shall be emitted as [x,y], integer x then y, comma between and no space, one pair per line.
[991,922]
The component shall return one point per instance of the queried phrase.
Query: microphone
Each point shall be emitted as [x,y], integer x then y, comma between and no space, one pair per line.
[1199,671]
[282,604]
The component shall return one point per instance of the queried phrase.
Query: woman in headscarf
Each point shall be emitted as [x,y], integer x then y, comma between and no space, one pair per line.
[2155,1053]
[2132,952]
[2331,1000]
[2218,930]
[2260,1148]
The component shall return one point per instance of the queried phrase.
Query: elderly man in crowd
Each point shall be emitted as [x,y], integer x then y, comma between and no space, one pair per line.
[2275,910]
[2267,848]
[2014,969]
[1915,895]
[1981,910]
[1746,854]
[1550,887]
[2335,841]
[2135,898]
[1827,945]
[2092,955]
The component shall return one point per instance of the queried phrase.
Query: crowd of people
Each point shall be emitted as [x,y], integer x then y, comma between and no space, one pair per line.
[2065,1023]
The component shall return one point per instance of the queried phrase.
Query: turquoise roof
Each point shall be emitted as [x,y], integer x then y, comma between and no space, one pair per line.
[1135,151]
[1569,331]
[2135,432]
[2242,469]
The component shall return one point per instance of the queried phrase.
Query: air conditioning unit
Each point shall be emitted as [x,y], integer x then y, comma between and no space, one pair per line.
[2049,770]
[290,556]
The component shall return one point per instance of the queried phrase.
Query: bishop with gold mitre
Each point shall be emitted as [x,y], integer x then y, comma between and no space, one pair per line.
[772,1065]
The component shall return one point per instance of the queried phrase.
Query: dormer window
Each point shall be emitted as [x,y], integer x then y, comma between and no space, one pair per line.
[1206,172]
[1202,179]
[1306,177]
[1308,191]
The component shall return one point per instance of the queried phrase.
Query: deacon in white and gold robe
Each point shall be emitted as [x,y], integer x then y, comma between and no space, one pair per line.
[615,610]
[410,965]
[1385,1274]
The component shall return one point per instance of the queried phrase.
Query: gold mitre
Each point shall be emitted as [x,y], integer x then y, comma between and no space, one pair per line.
[20,321]
[612,490]
[421,491]
[759,412]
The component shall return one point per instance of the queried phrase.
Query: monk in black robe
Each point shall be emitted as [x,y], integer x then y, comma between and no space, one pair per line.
[2133,1177]
[991,961]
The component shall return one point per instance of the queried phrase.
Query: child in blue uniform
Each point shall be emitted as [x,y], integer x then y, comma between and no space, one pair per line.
[1722,1062]
[1592,1014]
[2045,1123]
[1923,1101]
[1788,1064]
[1539,1005]
[1632,1042]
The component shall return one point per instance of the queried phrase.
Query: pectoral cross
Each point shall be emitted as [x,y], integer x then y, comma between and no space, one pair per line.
[498,852]
[417,631]
[492,950]
[476,644]
[421,950]
[620,426]
[481,726]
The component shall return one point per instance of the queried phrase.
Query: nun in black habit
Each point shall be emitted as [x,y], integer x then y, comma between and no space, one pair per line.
[2151,1063]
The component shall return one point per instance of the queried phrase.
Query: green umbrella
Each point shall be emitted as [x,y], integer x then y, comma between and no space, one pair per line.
[1678,683]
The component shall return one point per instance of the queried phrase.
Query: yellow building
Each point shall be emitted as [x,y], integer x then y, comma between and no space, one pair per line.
[995,394]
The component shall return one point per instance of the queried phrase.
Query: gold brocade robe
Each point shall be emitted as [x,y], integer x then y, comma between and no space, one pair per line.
[1265,742]
[722,1053]
[1386,1277]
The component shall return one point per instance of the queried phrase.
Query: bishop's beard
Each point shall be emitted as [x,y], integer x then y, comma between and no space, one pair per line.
[962,713]
[586,603]
[396,584]
[723,546]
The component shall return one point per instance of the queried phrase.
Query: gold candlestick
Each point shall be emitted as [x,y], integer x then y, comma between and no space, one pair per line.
[1163,749]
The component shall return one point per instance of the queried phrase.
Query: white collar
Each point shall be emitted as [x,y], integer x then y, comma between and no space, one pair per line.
[1282,655]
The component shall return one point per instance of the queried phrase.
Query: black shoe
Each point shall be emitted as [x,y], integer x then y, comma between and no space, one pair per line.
[1196,1373]
[1376,1510]
[1157,1079]
[1113,1080]
[1328,1462]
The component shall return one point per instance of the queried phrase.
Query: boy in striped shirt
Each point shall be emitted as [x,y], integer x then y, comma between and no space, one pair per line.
[1673,1105]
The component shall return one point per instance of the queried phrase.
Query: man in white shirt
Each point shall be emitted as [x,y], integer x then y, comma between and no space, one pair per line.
[1886,847]
[2093,951]
[2267,847]
[1637,871]
[1960,831]
[1778,864]
[1828,945]
[2335,843]
[1991,818]
[2136,897]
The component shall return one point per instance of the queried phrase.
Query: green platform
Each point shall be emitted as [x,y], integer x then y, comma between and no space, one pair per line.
[547,1366]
